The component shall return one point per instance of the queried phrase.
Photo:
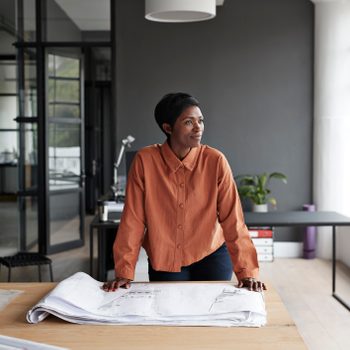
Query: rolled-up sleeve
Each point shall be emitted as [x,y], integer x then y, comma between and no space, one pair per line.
[242,250]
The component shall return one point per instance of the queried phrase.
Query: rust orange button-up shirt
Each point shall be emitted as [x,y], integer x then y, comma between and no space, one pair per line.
[181,211]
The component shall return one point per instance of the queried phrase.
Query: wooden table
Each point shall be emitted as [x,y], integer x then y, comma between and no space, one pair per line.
[280,332]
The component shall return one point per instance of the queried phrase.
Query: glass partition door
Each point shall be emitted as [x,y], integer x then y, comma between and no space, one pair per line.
[65,139]
[51,39]
[9,230]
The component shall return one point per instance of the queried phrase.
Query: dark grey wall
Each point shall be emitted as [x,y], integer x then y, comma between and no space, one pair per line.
[251,69]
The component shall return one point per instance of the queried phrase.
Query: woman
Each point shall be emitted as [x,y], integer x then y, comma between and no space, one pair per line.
[182,206]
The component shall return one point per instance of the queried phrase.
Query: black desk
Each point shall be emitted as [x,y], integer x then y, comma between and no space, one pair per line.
[304,218]
[277,219]
[101,228]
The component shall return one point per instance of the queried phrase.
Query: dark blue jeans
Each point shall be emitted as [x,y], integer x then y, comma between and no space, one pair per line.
[215,267]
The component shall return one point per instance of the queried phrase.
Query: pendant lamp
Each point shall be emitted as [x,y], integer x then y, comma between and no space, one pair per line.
[180,11]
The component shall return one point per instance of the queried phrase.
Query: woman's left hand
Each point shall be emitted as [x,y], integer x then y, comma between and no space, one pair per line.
[252,284]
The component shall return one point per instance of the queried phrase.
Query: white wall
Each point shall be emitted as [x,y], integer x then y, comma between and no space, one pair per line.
[332,119]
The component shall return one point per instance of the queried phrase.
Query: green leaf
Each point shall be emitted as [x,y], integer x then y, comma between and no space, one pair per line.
[278,176]
[245,179]
[273,201]
[262,180]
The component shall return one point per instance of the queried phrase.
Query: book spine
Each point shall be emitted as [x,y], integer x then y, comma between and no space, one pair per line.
[262,241]
[260,233]
[265,257]
[260,228]
[264,249]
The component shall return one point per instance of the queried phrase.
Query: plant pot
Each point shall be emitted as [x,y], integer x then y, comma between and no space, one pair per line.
[260,208]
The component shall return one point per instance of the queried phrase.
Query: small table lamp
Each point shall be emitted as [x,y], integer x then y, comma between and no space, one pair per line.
[115,187]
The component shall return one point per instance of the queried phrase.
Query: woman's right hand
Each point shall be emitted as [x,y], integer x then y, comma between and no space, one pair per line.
[112,286]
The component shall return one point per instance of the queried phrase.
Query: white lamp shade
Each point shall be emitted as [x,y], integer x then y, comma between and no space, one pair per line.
[179,11]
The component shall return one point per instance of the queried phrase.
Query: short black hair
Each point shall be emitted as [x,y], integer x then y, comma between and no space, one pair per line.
[171,106]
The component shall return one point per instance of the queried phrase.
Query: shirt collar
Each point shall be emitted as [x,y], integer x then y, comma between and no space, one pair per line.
[174,163]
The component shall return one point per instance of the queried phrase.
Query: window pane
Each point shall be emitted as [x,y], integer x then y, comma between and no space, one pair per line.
[67,67]
[8,179]
[8,147]
[29,19]
[64,135]
[64,90]
[28,92]
[63,67]
[64,217]
[64,111]
[64,156]
[31,156]
[8,111]
[9,218]
[8,77]
[31,222]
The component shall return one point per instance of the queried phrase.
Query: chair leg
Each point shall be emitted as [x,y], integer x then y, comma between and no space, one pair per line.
[39,269]
[51,274]
[9,275]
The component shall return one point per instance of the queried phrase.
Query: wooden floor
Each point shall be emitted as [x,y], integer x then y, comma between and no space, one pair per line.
[304,286]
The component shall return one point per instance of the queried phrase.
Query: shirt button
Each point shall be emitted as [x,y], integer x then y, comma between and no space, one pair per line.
[182,185]
[179,227]
[178,246]
[181,205]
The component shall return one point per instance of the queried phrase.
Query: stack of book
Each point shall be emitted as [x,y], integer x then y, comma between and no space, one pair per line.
[262,238]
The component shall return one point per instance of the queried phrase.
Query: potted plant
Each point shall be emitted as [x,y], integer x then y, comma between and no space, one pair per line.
[255,188]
